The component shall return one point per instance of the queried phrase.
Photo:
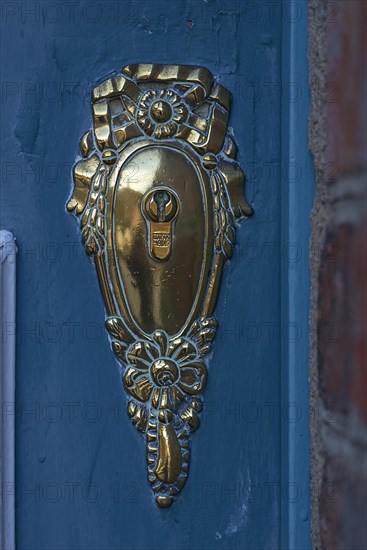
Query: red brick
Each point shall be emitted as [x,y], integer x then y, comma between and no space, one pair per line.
[342,320]
[346,91]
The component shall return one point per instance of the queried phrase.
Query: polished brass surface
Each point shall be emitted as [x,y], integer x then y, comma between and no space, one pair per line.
[157,193]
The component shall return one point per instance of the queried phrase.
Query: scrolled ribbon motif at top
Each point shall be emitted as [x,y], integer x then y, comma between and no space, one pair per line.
[145,231]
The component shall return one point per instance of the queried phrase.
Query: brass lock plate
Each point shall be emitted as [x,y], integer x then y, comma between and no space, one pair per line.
[158,192]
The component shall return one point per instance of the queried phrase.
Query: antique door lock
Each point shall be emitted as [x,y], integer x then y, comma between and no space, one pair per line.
[157,192]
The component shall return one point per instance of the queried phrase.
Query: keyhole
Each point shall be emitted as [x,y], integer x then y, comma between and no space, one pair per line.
[160,207]
[161,198]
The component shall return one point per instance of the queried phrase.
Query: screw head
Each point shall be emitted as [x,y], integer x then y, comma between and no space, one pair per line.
[109,156]
[209,161]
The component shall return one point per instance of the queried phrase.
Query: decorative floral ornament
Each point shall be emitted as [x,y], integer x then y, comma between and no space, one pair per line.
[165,376]
[164,371]
[160,112]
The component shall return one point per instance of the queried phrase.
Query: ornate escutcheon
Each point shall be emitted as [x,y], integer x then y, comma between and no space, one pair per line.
[157,191]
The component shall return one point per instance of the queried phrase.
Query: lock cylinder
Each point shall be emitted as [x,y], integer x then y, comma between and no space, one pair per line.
[160,206]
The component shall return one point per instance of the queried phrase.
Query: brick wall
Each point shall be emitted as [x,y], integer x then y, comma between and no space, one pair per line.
[338,80]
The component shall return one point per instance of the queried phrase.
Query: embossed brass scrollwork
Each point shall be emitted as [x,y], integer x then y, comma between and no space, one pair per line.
[157,193]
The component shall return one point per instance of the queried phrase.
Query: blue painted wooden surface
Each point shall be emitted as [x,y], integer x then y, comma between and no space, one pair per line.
[81,473]
[297,199]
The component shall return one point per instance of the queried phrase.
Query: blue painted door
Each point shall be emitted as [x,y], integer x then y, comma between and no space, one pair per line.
[80,465]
